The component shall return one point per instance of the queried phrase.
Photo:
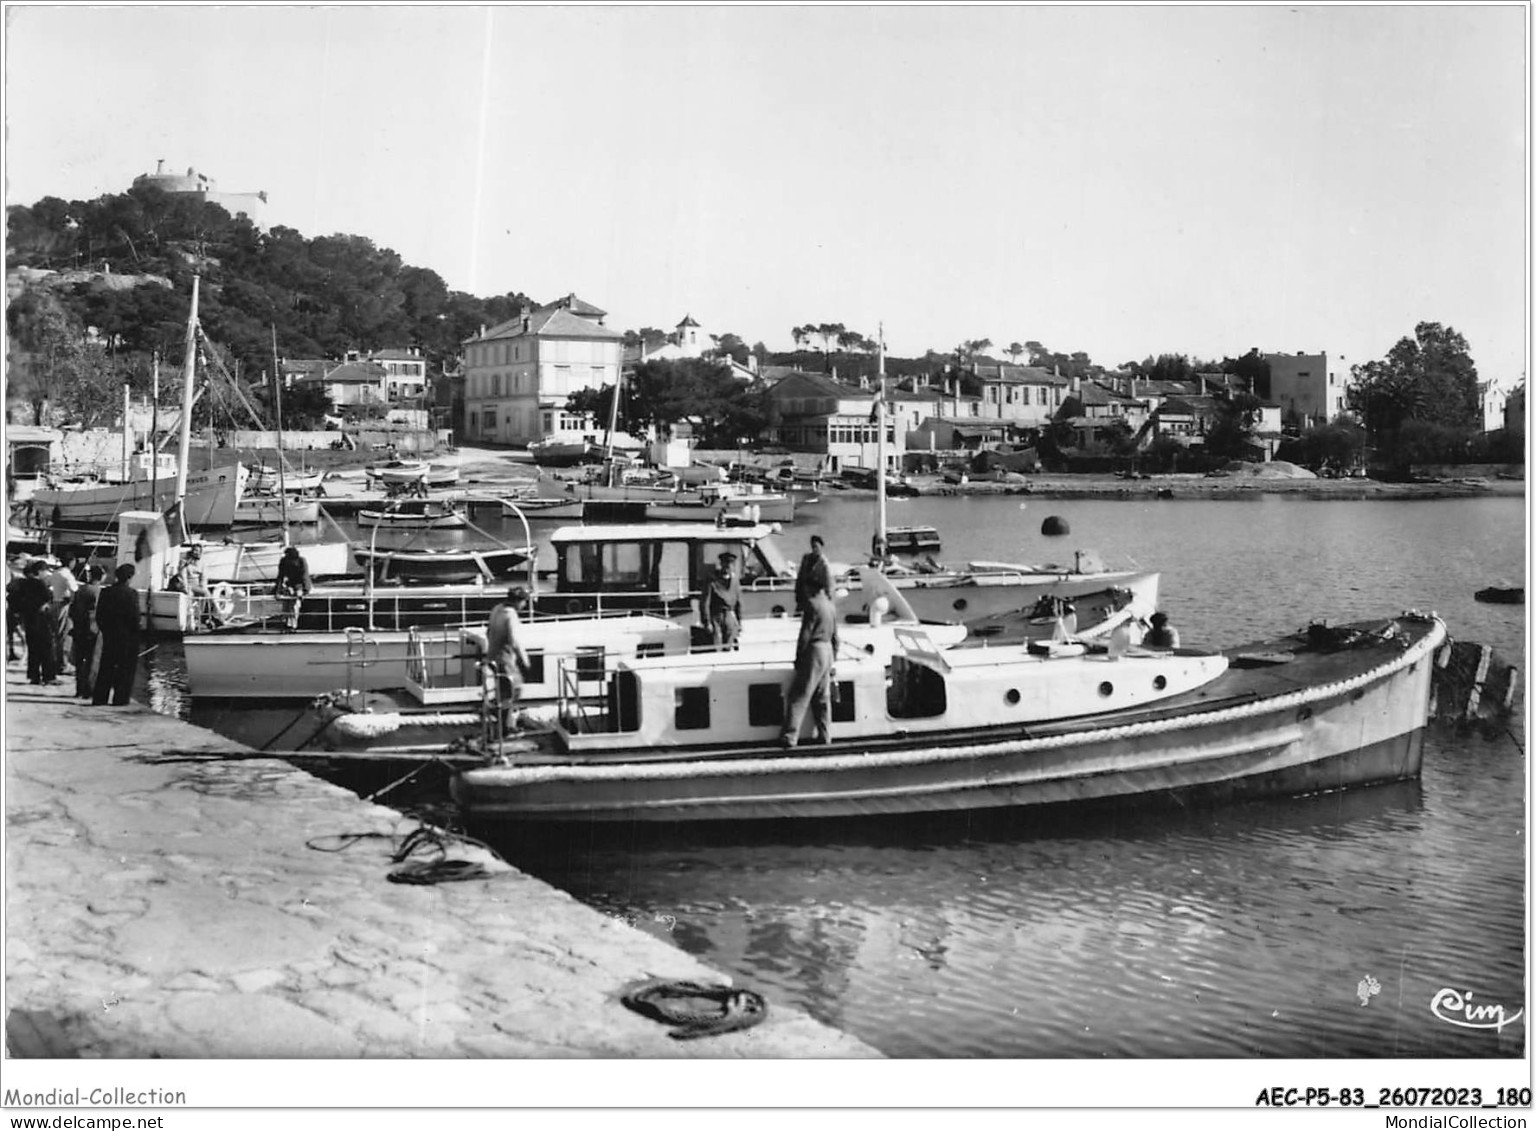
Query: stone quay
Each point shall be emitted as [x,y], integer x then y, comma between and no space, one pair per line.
[196,904]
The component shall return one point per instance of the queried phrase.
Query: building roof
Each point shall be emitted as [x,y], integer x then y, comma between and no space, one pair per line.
[568,318]
[350,373]
[396,353]
[1093,393]
[687,321]
[818,384]
[1017,374]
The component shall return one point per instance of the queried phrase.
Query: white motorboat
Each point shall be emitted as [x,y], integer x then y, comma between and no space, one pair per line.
[984,728]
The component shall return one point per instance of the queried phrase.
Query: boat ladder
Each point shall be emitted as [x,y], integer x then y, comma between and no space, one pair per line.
[362,652]
[492,729]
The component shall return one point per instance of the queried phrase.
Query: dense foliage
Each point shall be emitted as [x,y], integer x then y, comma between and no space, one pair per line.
[1420,403]
[723,411]
[320,296]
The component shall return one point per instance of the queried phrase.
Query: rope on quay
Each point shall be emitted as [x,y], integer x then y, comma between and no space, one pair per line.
[424,837]
[729,1010]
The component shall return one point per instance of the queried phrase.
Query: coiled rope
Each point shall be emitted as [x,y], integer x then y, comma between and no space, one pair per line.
[725,1010]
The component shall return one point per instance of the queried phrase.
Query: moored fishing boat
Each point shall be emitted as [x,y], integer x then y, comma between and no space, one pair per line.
[209,499]
[972,729]
[415,514]
[537,508]
[271,510]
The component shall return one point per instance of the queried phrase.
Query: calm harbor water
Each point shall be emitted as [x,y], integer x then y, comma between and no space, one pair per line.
[1318,927]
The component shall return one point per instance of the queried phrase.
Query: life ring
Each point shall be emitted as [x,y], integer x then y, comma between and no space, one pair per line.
[573,606]
[221,599]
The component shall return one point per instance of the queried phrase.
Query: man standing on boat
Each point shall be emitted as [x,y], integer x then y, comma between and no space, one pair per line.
[117,619]
[505,651]
[293,582]
[814,652]
[722,602]
[814,571]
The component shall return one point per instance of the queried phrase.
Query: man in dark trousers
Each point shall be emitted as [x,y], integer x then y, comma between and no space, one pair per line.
[117,619]
[33,601]
[722,603]
[814,654]
[82,620]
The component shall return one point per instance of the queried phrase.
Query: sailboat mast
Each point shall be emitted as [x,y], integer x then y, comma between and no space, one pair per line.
[189,380]
[613,423]
[880,530]
[277,410]
[154,429]
[127,442]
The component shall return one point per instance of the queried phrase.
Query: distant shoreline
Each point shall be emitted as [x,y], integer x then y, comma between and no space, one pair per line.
[1164,488]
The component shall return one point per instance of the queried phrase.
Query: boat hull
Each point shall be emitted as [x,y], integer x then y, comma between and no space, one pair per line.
[264,511]
[1360,730]
[211,499]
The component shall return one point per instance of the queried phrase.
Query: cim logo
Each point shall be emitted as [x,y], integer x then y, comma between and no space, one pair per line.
[1455,1008]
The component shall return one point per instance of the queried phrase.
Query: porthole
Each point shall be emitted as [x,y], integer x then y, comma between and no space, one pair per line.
[961,604]
[778,610]
[1011,697]
[869,649]
[1160,683]
[1106,689]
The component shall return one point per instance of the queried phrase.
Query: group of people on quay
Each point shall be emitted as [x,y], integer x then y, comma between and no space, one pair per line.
[74,625]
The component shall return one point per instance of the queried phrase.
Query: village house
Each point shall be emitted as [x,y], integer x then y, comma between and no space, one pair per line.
[1098,411]
[519,375]
[835,421]
[1308,390]
[1026,395]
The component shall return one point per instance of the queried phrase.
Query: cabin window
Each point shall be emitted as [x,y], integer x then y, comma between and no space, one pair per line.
[590,662]
[535,672]
[592,566]
[650,648]
[691,709]
[842,701]
[765,705]
[915,691]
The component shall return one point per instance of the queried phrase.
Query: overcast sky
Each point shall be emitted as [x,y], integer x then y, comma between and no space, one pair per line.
[1122,181]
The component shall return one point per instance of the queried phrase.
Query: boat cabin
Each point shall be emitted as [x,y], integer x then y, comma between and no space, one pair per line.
[728,701]
[653,564]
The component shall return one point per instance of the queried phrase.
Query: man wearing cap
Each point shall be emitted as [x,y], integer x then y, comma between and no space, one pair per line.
[815,573]
[117,620]
[505,651]
[722,602]
[82,617]
[33,602]
[62,583]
